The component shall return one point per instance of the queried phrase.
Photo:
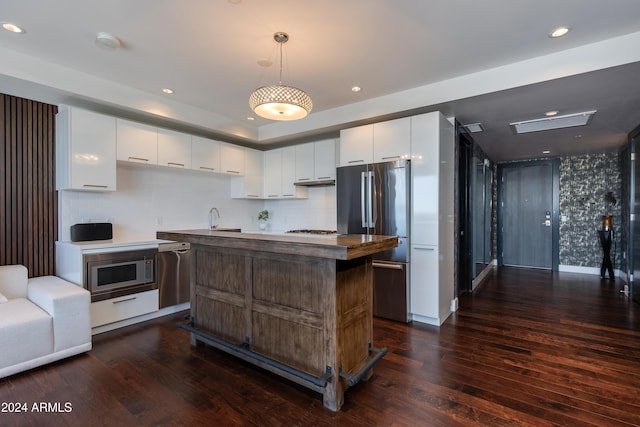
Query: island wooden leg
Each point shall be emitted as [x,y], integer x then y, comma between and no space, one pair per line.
[333,396]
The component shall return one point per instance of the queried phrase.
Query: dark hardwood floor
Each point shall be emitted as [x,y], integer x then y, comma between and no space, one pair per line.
[529,347]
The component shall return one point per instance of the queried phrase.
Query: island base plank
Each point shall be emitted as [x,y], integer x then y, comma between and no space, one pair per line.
[298,316]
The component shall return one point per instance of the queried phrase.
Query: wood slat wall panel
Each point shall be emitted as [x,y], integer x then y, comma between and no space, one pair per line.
[28,200]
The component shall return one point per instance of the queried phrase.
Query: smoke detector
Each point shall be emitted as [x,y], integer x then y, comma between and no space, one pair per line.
[107,41]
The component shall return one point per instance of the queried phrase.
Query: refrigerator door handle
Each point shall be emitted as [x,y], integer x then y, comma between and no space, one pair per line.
[362,199]
[369,200]
[373,199]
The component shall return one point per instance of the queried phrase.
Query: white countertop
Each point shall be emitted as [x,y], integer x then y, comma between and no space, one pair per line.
[114,245]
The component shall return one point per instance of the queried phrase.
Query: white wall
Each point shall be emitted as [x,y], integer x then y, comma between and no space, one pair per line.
[155,198]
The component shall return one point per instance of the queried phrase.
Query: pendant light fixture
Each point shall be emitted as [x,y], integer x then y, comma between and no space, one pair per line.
[280,102]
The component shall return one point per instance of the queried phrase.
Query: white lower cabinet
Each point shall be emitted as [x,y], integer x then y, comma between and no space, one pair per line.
[121,308]
[424,282]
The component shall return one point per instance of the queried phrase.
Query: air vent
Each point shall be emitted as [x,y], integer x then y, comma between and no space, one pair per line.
[555,122]
[474,127]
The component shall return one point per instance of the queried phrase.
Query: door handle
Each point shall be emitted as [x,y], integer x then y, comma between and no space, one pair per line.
[388,266]
[362,199]
[372,201]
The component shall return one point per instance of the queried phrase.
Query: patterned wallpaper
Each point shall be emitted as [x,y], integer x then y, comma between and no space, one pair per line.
[584,181]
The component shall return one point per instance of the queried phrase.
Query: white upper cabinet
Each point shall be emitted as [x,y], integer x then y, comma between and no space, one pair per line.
[85,150]
[304,160]
[324,153]
[392,140]
[273,174]
[279,174]
[356,146]
[249,186]
[379,142]
[316,161]
[174,149]
[205,154]
[137,142]
[232,159]
[289,189]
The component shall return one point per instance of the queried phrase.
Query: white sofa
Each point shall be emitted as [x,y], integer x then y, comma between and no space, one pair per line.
[42,320]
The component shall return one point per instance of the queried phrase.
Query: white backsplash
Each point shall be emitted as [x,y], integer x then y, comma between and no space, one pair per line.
[316,212]
[149,199]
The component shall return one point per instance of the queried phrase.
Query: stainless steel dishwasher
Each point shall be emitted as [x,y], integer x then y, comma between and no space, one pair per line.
[174,259]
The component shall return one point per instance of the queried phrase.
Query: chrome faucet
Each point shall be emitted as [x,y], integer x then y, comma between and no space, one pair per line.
[213,226]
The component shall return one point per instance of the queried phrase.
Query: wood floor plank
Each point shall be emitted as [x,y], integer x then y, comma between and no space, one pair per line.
[527,348]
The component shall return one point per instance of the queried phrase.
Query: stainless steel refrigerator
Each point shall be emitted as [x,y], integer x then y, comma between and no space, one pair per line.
[375,199]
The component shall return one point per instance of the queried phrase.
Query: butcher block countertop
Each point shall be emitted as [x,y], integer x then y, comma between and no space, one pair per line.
[340,247]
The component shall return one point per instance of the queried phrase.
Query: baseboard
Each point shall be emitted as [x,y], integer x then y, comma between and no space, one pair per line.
[586,270]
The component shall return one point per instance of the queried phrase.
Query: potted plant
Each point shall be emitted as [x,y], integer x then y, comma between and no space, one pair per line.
[263,217]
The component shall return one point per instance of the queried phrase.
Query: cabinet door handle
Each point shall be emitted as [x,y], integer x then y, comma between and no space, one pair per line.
[207,168]
[138,159]
[389,266]
[304,179]
[95,186]
[424,249]
[252,195]
[390,157]
[175,164]
[324,177]
[272,195]
[230,171]
[355,161]
[124,300]
[287,195]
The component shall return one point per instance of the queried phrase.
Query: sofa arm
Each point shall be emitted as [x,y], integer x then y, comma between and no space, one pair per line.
[13,281]
[68,304]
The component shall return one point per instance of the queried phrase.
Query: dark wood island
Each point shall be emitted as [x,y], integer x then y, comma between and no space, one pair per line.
[298,306]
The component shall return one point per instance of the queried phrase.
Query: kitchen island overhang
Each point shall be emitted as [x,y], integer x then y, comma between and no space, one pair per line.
[298,306]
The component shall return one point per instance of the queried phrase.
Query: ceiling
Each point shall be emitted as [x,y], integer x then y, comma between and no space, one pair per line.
[490,62]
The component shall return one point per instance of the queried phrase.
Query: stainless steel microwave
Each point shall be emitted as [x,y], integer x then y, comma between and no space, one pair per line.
[115,274]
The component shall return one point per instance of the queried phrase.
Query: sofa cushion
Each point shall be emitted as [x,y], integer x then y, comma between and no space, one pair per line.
[13,281]
[25,332]
[68,304]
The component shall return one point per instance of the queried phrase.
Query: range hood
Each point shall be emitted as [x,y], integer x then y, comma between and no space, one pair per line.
[316,183]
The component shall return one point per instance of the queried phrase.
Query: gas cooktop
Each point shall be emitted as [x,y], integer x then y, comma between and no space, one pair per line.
[312,231]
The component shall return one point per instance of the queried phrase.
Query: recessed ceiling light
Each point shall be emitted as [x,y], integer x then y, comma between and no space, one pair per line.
[167,91]
[356,89]
[546,152]
[251,118]
[559,32]
[551,113]
[12,27]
